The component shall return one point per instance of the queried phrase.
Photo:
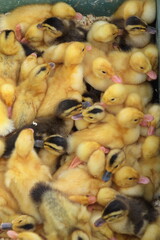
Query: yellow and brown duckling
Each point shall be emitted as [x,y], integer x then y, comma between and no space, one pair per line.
[131,216]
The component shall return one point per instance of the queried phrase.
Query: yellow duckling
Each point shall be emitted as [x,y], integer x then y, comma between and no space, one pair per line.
[19,175]
[30,94]
[129,182]
[102,35]
[22,17]
[23,235]
[144,9]
[67,81]
[118,96]
[150,167]
[121,130]
[131,216]
[136,67]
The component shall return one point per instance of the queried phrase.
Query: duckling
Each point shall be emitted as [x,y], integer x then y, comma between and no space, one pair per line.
[136,67]
[152,127]
[58,123]
[30,94]
[118,96]
[23,235]
[19,175]
[145,9]
[75,219]
[129,182]
[22,17]
[149,163]
[102,35]
[131,216]
[67,81]
[136,33]
[123,128]
[105,195]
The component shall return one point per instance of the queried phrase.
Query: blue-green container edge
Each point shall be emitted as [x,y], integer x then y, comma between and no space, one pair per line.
[95,7]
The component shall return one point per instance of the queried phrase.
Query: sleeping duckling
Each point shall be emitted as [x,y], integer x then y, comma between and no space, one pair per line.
[30,94]
[67,81]
[136,67]
[131,216]
[123,128]
[22,17]
[58,123]
[136,33]
[152,127]
[19,175]
[75,220]
[150,167]
[144,9]
[102,35]
[129,182]
[118,96]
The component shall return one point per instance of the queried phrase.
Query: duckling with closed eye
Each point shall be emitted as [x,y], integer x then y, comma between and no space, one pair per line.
[136,34]
[131,216]
[58,123]
[118,96]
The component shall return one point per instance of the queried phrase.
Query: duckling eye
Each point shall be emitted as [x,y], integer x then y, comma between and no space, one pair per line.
[91,117]
[130,178]
[104,72]
[141,67]
[83,49]
[112,99]
[116,166]
[135,120]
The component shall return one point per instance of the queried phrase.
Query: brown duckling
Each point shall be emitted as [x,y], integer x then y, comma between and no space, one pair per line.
[58,123]
[131,216]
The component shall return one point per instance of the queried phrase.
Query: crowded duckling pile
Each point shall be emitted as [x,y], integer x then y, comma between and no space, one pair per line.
[79,123]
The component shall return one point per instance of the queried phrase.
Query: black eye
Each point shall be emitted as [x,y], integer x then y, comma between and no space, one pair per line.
[135,120]
[91,117]
[141,67]
[130,178]
[112,99]
[116,166]
[103,72]
[83,49]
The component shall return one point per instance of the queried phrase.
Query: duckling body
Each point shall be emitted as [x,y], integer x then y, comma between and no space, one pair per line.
[145,9]
[136,66]
[60,123]
[124,131]
[131,216]
[18,175]
[30,94]
[24,16]
[127,95]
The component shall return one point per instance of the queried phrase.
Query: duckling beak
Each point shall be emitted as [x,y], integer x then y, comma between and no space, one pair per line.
[143,180]
[146,120]
[86,104]
[151,75]
[77,117]
[116,79]
[106,176]
[39,143]
[151,30]
[6,226]
[99,222]
[39,26]
[151,130]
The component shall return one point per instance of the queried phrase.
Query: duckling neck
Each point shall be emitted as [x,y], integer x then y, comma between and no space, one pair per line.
[138,41]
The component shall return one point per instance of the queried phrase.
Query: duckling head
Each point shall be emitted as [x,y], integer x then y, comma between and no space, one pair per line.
[140,63]
[115,159]
[135,26]
[129,117]
[75,53]
[41,71]
[68,108]
[114,95]
[93,113]
[115,211]
[8,43]
[54,27]
[128,177]
[33,36]
[55,144]
[151,146]
[63,10]
[105,32]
